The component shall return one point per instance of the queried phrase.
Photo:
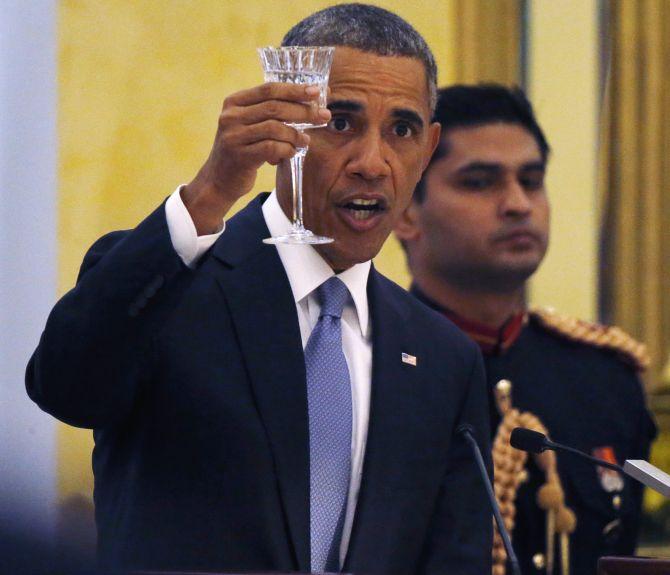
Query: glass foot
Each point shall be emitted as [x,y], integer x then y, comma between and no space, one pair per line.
[299,237]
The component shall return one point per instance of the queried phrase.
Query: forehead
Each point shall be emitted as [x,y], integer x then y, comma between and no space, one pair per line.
[371,79]
[501,143]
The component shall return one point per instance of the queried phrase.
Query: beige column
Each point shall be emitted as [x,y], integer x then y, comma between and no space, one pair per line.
[563,84]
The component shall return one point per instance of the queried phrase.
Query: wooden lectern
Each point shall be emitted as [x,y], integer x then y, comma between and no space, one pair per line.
[633,566]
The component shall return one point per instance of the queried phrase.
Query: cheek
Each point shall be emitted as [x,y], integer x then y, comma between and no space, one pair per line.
[546,211]
[455,211]
[318,178]
[456,226]
[407,169]
[542,215]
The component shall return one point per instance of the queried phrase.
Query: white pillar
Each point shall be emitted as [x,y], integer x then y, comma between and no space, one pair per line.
[27,253]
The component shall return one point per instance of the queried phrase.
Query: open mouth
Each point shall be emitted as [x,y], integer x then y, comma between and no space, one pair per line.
[361,209]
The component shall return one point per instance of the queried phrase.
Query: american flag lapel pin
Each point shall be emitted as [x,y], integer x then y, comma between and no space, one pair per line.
[409,359]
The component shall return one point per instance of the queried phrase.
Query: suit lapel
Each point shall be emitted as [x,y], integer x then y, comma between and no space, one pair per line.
[392,382]
[263,311]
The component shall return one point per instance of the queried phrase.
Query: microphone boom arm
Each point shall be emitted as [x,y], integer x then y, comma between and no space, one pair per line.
[601,462]
[466,432]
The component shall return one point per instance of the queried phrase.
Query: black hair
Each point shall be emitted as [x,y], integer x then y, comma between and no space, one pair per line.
[463,106]
[369,29]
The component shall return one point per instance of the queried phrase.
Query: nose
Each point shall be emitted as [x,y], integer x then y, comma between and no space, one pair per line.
[369,159]
[515,201]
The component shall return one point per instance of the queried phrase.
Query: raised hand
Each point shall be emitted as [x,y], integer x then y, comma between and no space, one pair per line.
[251,130]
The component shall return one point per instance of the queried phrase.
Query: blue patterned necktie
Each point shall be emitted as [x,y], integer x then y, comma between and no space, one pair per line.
[329,404]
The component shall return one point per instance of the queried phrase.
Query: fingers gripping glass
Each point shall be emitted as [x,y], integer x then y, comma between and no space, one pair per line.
[299,65]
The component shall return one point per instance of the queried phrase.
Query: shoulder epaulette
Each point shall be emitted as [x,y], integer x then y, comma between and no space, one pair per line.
[606,337]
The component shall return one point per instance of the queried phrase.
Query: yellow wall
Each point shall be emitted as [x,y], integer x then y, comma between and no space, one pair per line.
[140,88]
[563,86]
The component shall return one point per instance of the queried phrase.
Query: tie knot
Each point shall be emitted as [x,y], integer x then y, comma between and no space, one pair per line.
[333,295]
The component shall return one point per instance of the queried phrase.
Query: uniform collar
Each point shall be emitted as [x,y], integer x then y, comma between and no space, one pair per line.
[307,270]
[492,341]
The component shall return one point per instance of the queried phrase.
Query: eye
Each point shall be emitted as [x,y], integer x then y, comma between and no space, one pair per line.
[532,182]
[403,130]
[476,183]
[339,124]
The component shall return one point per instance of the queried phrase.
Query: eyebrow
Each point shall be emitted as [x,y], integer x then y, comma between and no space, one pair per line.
[399,113]
[345,106]
[480,166]
[408,115]
[539,165]
[492,167]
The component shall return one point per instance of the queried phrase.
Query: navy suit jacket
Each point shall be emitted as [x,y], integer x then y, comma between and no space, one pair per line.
[194,384]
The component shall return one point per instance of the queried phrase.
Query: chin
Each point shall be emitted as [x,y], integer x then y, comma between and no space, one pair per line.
[341,258]
[529,264]
[520,272]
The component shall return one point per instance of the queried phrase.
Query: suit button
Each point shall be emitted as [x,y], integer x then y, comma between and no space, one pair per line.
[539,561]
[154,286]
[135,307]
[159,280]
[149,291]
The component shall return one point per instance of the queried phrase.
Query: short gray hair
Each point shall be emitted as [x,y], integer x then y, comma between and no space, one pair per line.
[369,29]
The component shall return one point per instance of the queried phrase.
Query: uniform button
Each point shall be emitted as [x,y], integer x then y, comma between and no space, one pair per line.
[504,386]
[616,502]
[539,561]
[522,477]
[612,532]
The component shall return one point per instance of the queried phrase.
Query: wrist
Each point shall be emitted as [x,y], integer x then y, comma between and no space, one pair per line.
[206,205]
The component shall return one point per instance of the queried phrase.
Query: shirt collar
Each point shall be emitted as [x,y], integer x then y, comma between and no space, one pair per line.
[307,270]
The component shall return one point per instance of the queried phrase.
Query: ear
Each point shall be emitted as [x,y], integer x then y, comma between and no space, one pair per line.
[434,132]
[406,228]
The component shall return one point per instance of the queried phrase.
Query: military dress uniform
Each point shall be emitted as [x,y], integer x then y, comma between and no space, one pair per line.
[582,381]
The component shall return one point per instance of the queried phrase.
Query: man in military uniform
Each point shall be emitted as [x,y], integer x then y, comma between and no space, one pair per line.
[475,232]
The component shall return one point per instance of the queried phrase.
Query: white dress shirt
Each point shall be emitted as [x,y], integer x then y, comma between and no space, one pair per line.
[306,271]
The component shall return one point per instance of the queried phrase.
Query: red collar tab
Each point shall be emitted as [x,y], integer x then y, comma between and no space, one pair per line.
[492,341]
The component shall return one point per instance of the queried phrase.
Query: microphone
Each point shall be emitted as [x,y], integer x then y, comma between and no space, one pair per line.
[536,442]
[467,431]
[640,470]
[528,440]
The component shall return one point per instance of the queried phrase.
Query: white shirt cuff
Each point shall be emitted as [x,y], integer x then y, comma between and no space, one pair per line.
[187,243]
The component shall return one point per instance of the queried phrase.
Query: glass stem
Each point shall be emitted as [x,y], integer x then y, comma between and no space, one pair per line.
[297,162]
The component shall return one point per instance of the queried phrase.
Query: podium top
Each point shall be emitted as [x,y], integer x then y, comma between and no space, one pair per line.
[633,566]
[648,475]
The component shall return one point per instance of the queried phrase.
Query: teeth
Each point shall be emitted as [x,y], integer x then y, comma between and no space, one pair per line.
[362,214]
[361,202]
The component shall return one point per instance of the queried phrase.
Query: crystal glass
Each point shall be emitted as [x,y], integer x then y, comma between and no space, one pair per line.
[308,65]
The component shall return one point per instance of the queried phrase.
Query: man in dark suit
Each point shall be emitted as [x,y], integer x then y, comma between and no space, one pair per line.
[476,231]
[197,367]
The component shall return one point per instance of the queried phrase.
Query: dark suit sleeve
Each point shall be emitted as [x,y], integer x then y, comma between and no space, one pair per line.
[89,363]
[461,533]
